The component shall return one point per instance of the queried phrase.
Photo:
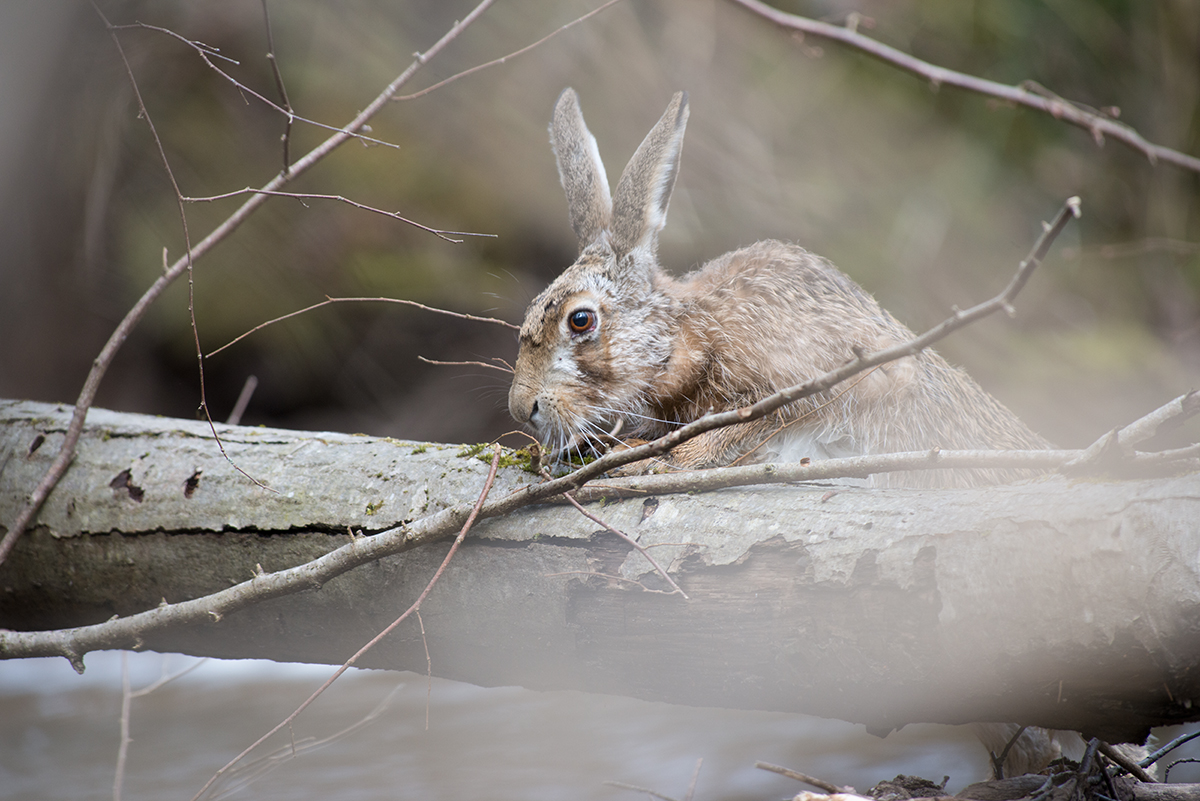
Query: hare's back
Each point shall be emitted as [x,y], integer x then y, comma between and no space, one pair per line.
[783,304]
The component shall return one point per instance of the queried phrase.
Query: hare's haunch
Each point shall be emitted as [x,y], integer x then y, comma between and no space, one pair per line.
[617,343]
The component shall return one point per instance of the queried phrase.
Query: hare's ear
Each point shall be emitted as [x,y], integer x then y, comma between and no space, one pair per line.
[640,203]
[580,170]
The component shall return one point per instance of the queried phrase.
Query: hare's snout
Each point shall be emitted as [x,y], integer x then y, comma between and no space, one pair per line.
[523,406]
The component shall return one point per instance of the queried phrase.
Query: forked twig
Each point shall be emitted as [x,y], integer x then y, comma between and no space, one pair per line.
[1120,442]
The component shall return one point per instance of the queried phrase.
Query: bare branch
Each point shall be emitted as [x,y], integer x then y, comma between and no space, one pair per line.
[1028,94]
[851,467]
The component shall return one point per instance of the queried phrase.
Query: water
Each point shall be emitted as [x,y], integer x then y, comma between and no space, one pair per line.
[59,735]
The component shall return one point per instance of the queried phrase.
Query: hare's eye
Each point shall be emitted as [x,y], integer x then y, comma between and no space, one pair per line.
[581,320]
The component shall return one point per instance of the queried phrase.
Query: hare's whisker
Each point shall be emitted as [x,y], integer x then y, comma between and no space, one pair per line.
[635,414]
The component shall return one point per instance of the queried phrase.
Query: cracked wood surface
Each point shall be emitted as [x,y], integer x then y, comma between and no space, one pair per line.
[1067,604]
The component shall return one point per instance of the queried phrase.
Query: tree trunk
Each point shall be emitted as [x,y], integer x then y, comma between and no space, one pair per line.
[1059,603]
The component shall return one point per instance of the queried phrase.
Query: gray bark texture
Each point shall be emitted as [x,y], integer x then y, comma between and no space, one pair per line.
[1069,604]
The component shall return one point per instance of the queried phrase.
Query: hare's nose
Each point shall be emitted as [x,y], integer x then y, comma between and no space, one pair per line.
[533,413]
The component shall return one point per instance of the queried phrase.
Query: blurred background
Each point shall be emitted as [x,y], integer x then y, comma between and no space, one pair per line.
[928,198]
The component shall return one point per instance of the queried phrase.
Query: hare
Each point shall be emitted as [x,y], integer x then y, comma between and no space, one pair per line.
[617,343]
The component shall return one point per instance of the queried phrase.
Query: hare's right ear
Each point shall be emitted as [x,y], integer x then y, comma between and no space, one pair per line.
[589,202]
[640,203]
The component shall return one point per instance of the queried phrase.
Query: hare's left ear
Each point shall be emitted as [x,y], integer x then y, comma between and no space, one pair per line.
[640,202]
[580,170]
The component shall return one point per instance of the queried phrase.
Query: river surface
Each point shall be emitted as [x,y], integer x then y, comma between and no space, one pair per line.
[60,734]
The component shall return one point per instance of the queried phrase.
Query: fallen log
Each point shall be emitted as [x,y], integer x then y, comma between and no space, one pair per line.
[1069,604]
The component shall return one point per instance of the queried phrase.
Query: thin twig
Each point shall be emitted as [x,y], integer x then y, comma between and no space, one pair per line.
[416,605]
[1027,94]
[395,215]
[820,784]
[503,369]
[123,748]
[637,789]
[127,696]
[87,395]
[243,400]
[428,668]
[608,577]
[628,539]
[503,59]
[329,301]
[691,790]
[189,262]
[279,87]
